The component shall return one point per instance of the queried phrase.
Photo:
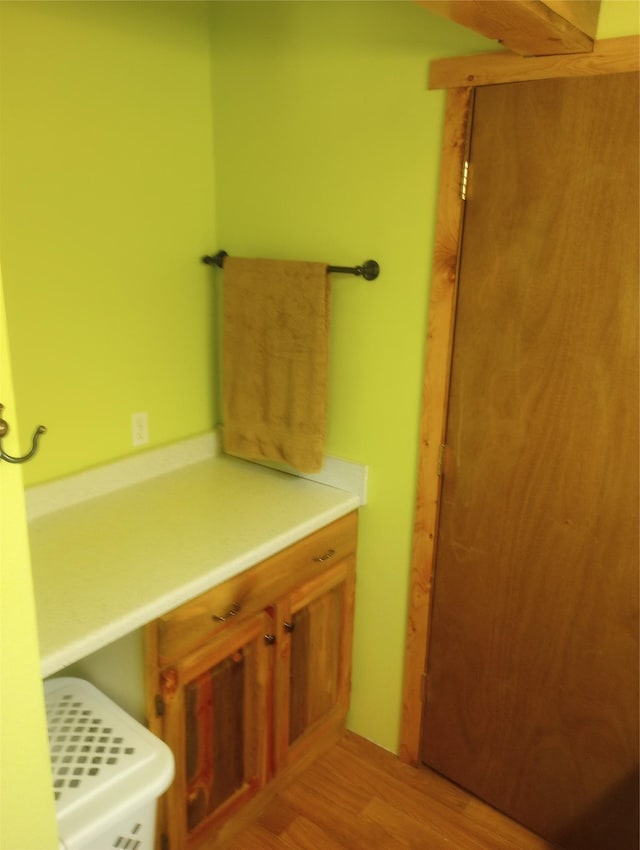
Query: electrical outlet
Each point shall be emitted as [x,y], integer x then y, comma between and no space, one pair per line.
[140,428]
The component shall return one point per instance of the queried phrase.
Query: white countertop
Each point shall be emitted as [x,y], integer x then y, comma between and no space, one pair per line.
[107,565]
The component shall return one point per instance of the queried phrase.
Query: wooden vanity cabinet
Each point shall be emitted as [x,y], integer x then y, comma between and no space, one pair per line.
[249,682]
[312,676]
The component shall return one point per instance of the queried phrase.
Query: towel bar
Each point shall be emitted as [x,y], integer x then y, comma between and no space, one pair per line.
[369,270]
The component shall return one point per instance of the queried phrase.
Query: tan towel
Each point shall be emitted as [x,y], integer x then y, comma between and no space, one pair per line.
[275,360]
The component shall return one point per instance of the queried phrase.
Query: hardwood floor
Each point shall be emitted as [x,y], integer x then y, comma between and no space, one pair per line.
[360,797]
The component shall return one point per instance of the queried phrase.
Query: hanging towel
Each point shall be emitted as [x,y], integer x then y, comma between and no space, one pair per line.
[276,360]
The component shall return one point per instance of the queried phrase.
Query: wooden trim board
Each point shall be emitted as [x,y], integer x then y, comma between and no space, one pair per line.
[433,417]
[610,56]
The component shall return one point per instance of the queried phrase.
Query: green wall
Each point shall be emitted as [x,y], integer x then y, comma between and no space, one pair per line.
[326,147]
[618,17]
[106,206]
[27,816]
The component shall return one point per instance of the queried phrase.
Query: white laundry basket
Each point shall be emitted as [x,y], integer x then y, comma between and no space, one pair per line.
[108,770]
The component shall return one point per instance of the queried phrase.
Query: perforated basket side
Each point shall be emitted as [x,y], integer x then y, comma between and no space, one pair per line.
[134,832]
[105,765]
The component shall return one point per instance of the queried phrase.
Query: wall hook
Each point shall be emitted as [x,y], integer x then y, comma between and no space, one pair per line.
[4,430]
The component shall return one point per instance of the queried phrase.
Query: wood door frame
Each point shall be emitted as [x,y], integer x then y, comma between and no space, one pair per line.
[460,76]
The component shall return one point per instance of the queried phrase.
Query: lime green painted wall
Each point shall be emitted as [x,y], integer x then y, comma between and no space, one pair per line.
[618,17]
[27,817]
[107,205]
[328,148]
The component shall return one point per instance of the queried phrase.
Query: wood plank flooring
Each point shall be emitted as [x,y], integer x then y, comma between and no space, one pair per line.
[360,797]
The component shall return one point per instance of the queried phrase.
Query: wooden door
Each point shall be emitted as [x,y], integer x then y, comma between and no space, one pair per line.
[217,721]
[532,679]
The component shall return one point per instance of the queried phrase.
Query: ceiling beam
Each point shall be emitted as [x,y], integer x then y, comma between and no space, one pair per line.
[527,27]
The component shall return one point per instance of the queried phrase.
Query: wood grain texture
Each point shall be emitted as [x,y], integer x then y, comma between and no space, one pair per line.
[216,722]
[432,423]
[609,56]
[194,623]
[527,27]
[361,797]
[320,673]
[243,714]
[215,737]
[532,687]
[315,661]
[583,14]
[613,55]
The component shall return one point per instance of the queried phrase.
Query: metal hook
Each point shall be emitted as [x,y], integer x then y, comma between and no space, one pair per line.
[4,430]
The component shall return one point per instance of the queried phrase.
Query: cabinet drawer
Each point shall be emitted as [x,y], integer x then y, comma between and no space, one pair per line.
[197,621]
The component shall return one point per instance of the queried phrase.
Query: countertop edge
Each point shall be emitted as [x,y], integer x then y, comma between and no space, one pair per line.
[349,492]
[57,660]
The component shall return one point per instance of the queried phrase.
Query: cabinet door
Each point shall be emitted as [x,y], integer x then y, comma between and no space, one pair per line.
[216,721]
[315,659]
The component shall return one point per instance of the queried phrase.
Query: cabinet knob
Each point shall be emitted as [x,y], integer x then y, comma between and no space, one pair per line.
[269,639]
[328,554]
[235,609]
[289,626]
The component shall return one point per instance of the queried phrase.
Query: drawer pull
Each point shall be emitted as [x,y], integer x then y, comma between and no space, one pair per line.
[289,626]
[329,554]
[269,639]
[235,609]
